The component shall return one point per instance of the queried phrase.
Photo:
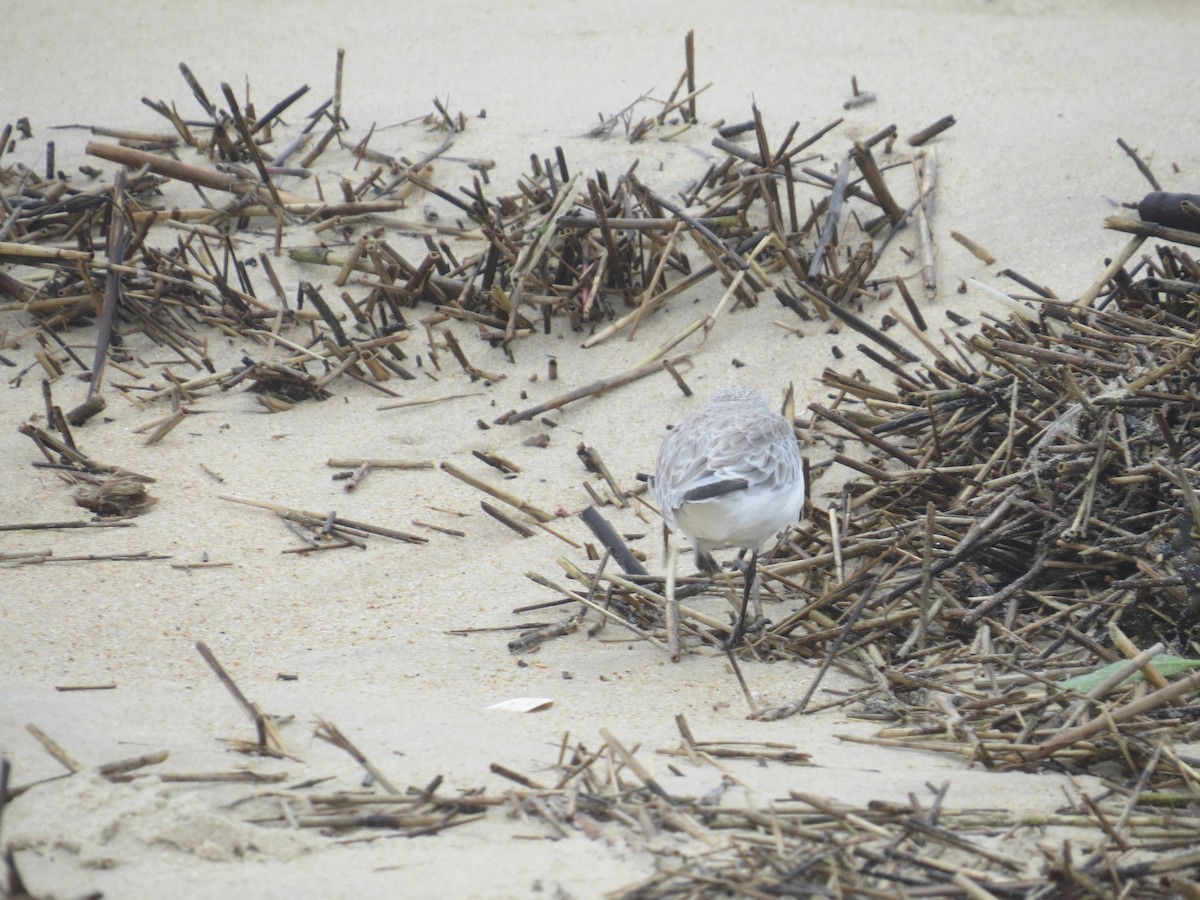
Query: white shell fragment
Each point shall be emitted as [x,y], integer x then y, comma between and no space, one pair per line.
[524,704]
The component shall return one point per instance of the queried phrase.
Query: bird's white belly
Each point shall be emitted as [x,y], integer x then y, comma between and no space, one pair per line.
[741,519]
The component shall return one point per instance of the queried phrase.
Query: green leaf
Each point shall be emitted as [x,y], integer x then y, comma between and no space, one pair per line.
[1167,666]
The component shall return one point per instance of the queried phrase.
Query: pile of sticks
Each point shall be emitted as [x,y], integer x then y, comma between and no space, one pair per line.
[601,252]
[1011,572]
[1029,513]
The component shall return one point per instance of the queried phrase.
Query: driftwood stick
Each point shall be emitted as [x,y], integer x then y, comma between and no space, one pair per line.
[56,526]
[1150,229]
[531,255]
[1140,163]
[636,767]
[595,387]
[314,518]
[1123,713]
[230,685]
[118,240]
[277,110]
[142,556]
[858,324]
[653,303]
[181,171]
[608,536]
[926,181]
[624,623]
[870,171]
[535,637]
[309,209]
[499,493]
[354,463]
[977,250]
[584,219]
[697,226]
[198,90]
[32,254]
[132,764]
[269,740]
[931,131]
[1118,261]
[593,462]
[424,401]
[504,519]
[834,212]
[239,122]
[331,734]
[54,749]
[167,167]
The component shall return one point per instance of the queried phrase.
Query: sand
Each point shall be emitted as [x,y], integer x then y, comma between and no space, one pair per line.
[1041,92]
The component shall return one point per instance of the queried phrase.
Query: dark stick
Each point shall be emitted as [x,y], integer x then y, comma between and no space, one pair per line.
[279,107]
[737,150]
[874,440]
[732,131]
[737,671]
[696,226]
[198,91]
[55,526]
[1140,163]
[881,135]
[907,380]
[683,385]
[851,618]
[813,138]
[505,519]
[239,122]
[583,219]
[608,536]
[836,196]
[118,237]
[689,48]
[1027,283]
[931,131]
[870,170]
[315,298]
[595,387]
[230,685]
[852,190]
[318,519]
[162,165]
[913,309]
[859,325]
[602,222]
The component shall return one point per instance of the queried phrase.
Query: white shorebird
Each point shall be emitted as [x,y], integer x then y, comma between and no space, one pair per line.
[728,475]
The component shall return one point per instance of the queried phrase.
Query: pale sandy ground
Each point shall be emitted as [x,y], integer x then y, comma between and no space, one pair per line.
[1041,91]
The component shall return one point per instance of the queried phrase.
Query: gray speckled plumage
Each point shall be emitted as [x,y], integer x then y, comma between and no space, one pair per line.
[730,474]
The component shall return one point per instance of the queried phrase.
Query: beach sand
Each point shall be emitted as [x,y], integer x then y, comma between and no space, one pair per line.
[1041,92]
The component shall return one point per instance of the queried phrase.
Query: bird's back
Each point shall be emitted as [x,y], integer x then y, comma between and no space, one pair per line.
[741,460]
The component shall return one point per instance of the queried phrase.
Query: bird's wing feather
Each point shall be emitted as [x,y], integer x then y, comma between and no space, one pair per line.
[698,453]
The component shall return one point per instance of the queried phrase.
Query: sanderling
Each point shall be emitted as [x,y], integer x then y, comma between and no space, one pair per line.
[728,475]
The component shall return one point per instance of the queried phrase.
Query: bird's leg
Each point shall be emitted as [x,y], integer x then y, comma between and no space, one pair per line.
[672,604]
[756,598]
[748,581]
[756,595]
